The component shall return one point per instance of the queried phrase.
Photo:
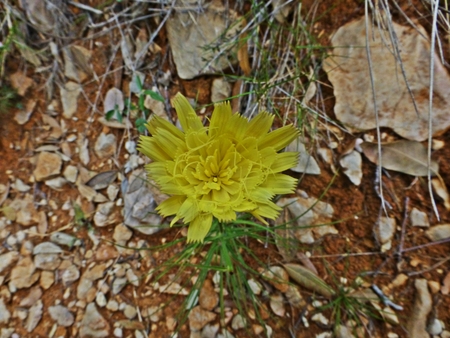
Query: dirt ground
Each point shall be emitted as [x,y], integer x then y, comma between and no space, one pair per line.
[350,254]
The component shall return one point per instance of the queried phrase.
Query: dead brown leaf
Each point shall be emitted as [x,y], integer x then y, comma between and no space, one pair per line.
[242,53]
[441,190]
[306,278]
[408,157]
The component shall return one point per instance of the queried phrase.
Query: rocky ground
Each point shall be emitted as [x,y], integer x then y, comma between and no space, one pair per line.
[81,243]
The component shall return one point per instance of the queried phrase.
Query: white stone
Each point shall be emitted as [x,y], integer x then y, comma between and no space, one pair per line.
[61,315]
[71,173]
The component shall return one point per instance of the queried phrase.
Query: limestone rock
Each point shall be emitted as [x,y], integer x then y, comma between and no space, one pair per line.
[7,259]
[190,35]
[34,316]
[348,71]
[23,274]
[93,325]
[48,165]
[198,318]
[105,146]
[208,298]
[438,232]
[220,90]
[4,313]
[69,97]
[61,315]
[422,306]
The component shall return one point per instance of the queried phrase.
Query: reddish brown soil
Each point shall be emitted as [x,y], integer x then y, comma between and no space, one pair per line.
[356,208]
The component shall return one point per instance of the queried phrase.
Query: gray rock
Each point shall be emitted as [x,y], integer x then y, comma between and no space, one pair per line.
[69,96]
[198,318]
[435,327]
[210,331]
[47,261]
[306,163]
[65,239]
[102,216]
[438,232]
[140,204]
[349,74]
[71,173]
[48,165]
[56,183]
[385,229]
[7,259]
[208,298]
[352,165]
[70,275]
[130,311]
[308,211]
[19,185]
[83,144]
[238,322]
[6,332]
[47,248]
[419,218]
[23,274]
[105,146]
[122,234]
[93,325]
[118,284]
[417,322]
[190,34]
[220,90]
[112,192]
[34,295]
[34,316]
[4,313]
[61,315]
[100,299]
[47,279]
[83,287]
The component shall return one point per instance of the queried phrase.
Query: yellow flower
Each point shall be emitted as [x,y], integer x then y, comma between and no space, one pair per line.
[234,165]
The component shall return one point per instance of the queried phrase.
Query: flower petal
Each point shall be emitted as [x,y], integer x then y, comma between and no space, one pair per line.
[169,143]
[219,118]
[280,184]
[171,205]
[186,114]
[188,210]
[157,122]
[150,148]
[278,139]
[285,161]
[237,127]
[260,124]
[269,210]
[199,228]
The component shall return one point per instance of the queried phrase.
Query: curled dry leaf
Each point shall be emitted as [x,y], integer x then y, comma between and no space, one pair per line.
[306,278]
[102,180]
[441,190]
[408,157]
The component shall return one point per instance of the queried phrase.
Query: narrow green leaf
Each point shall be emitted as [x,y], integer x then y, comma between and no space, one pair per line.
[154,95]
[109,114]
